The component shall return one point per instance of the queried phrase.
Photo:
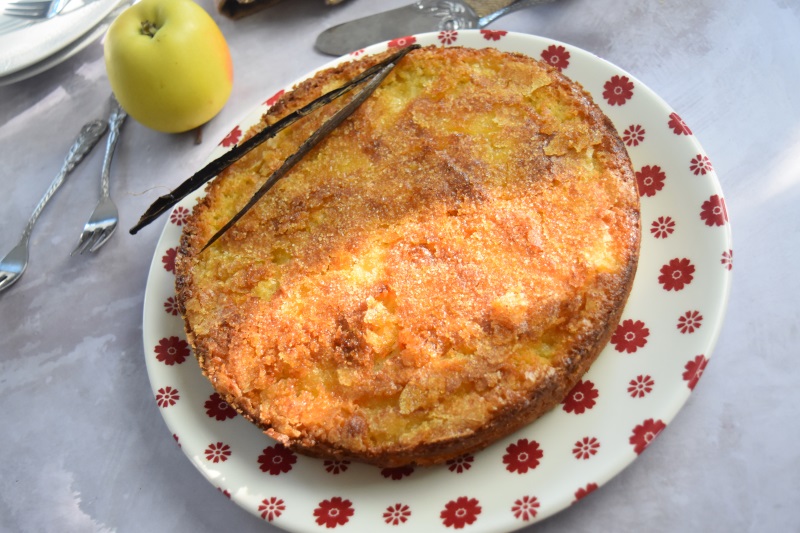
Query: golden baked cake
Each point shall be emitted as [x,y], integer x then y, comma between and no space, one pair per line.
[438,272]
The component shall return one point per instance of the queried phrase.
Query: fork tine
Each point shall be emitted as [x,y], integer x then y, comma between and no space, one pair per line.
[97,242]
[8,281]
[86,240]
[81,242]
[89,243]
[24,13]
[106,234]
[32,9]
[26,8]
[27,4]
[4,281]
[12,24]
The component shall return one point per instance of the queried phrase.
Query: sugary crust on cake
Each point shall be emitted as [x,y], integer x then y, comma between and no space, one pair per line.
[438,272]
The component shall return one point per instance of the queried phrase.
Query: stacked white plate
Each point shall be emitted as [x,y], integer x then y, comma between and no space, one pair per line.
[30,47]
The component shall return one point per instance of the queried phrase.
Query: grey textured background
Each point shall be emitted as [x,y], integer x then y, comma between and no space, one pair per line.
[84,447]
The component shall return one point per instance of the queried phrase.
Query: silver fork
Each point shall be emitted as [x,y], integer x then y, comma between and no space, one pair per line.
[32,9]
[9,24]
[13,265]
[103,221]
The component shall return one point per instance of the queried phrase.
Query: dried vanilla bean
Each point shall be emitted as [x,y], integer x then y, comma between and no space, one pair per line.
[205,174]
[306,147]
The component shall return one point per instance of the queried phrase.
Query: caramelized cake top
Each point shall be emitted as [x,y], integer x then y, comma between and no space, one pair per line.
[437,272]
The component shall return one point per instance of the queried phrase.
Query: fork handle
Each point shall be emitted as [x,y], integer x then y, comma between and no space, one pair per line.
[115,120]
[89,135]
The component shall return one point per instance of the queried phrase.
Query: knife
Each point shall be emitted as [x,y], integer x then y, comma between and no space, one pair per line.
[422,16]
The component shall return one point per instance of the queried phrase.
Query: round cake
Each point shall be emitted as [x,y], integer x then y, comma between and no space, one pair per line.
[438,272]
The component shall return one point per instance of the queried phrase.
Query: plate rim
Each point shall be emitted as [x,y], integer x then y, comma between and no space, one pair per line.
[667,411]
[92,18]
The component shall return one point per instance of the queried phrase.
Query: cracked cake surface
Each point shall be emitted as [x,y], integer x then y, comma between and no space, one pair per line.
[438,272]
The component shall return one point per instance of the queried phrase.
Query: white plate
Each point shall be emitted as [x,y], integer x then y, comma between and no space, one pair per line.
[633,390]
[31,44]
[67,52]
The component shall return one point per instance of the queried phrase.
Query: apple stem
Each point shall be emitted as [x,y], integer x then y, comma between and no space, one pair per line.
[148,28]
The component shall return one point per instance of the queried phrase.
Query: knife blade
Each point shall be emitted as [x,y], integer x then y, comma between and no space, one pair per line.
[422,16]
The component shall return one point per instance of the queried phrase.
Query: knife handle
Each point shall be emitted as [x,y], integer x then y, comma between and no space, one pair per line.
[485,7]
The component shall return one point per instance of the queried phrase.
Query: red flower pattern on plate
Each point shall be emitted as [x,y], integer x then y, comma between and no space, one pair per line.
[493,35]
[585,448]
[678,126]
[526,508]
[218,408]
[630,336]
[662,227]
[356,53]
[272,100]
[644,433]
[336,467]
[168,259]
[179,215]
[694,371]
[218,452]
[460,512]
[714,212]
[448,36]
[402,42]
[225,493]
[271,508]
[397,473]
[618,90]
[396,514]
[583,492]
[727,259]
[689,322]
[633,135]
[171,306]
[556,56]
[460,464]
[641,386]
[276,460]
[172,351]
[167,396]
[177,440]
[522,456]
[334,512]
[650,180]
[232,137]
[700,164]
[676,274]
[581,398]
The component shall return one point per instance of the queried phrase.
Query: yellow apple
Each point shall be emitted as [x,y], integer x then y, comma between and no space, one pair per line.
[168,64]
